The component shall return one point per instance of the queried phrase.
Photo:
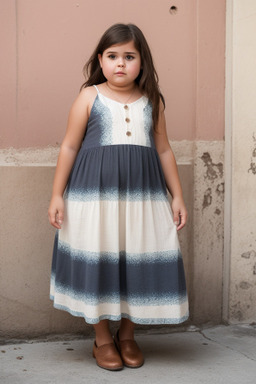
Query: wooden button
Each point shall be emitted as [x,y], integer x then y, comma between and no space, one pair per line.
[126,107]
[127,120]
[128,133]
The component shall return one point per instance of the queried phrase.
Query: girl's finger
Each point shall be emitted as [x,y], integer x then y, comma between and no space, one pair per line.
[183,219]
[52,219]
[59,217]
[176,218]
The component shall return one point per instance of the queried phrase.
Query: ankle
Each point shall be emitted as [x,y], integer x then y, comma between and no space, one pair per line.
[125,334]
[102,340]
[102,333]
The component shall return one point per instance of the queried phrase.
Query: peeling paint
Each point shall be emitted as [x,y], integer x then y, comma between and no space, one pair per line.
[252,168]
[237,314]
[237,311]
[207,198]
[244,285]
[220,189]
[253,157]
[213,170]
[249,254]
[217,211]
[29,156]
[254,269]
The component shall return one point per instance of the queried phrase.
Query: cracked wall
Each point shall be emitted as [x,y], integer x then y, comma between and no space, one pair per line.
[208,230]
[242,288]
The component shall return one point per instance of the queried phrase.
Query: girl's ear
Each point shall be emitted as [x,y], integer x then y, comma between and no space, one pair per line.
[100,59]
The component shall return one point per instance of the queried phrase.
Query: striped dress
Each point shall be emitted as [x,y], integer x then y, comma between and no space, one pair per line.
[117,253]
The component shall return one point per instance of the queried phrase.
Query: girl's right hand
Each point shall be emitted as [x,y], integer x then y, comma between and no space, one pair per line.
[56,211]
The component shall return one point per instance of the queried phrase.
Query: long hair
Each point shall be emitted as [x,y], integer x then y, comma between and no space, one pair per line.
[147,79]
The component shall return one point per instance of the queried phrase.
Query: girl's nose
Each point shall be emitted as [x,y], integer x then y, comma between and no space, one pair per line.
[121,63]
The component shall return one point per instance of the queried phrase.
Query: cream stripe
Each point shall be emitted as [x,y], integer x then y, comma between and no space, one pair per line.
[111,226]
[174,311]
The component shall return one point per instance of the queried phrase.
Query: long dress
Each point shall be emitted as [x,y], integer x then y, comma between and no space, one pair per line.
[117,254]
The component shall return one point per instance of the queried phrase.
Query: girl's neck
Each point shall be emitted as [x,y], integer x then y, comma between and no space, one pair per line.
[121,94]
[121,90]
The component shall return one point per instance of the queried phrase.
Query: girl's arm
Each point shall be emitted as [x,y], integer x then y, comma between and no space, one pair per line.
[170,170]
[70,146]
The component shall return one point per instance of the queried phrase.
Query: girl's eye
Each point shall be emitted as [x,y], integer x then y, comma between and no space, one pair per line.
[112,57]
[129,57]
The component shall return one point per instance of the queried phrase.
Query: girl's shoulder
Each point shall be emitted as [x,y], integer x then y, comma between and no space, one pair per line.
[88,92]
[87,96]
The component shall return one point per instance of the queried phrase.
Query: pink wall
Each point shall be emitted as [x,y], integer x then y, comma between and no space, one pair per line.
[46,42]
[211,16]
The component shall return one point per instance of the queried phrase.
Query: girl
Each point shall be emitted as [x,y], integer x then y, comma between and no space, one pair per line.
[116,253]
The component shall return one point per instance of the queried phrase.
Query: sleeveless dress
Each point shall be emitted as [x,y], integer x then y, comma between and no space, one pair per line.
[117,253]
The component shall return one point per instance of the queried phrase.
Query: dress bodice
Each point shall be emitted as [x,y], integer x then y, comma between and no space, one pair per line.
[114,123]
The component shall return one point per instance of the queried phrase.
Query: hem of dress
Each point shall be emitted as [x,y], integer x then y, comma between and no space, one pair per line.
[135,320]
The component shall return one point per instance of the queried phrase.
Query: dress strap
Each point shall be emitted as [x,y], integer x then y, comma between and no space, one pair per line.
[97,89]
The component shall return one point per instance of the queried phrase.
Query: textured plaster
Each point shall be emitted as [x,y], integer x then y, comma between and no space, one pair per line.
[183,150]
[243,208]
[208,230]
[29,156]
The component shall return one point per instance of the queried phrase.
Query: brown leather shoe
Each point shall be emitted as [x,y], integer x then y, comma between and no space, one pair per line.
[130,352]
[107,357]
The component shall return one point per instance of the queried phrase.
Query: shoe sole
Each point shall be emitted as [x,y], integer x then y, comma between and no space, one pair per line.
[133,366]
[110,369]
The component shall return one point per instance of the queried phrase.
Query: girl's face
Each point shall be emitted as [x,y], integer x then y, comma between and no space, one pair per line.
[121,64]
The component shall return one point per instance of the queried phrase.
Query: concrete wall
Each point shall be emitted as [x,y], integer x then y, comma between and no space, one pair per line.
[41,77]
[26,238]
[26,241]
[240,228]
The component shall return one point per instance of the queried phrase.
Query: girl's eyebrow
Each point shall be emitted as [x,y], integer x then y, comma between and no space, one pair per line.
[126,53]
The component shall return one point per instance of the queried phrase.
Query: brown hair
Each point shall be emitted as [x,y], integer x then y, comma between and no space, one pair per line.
[147,79]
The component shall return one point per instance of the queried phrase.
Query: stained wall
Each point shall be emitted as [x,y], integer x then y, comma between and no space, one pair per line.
[240,226]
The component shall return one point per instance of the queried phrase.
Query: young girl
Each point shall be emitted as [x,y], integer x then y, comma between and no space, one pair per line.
[116,253]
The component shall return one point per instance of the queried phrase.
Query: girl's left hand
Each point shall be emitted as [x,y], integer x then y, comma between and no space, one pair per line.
[179,212]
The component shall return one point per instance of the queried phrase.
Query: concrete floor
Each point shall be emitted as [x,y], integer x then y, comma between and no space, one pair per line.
[222,354]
